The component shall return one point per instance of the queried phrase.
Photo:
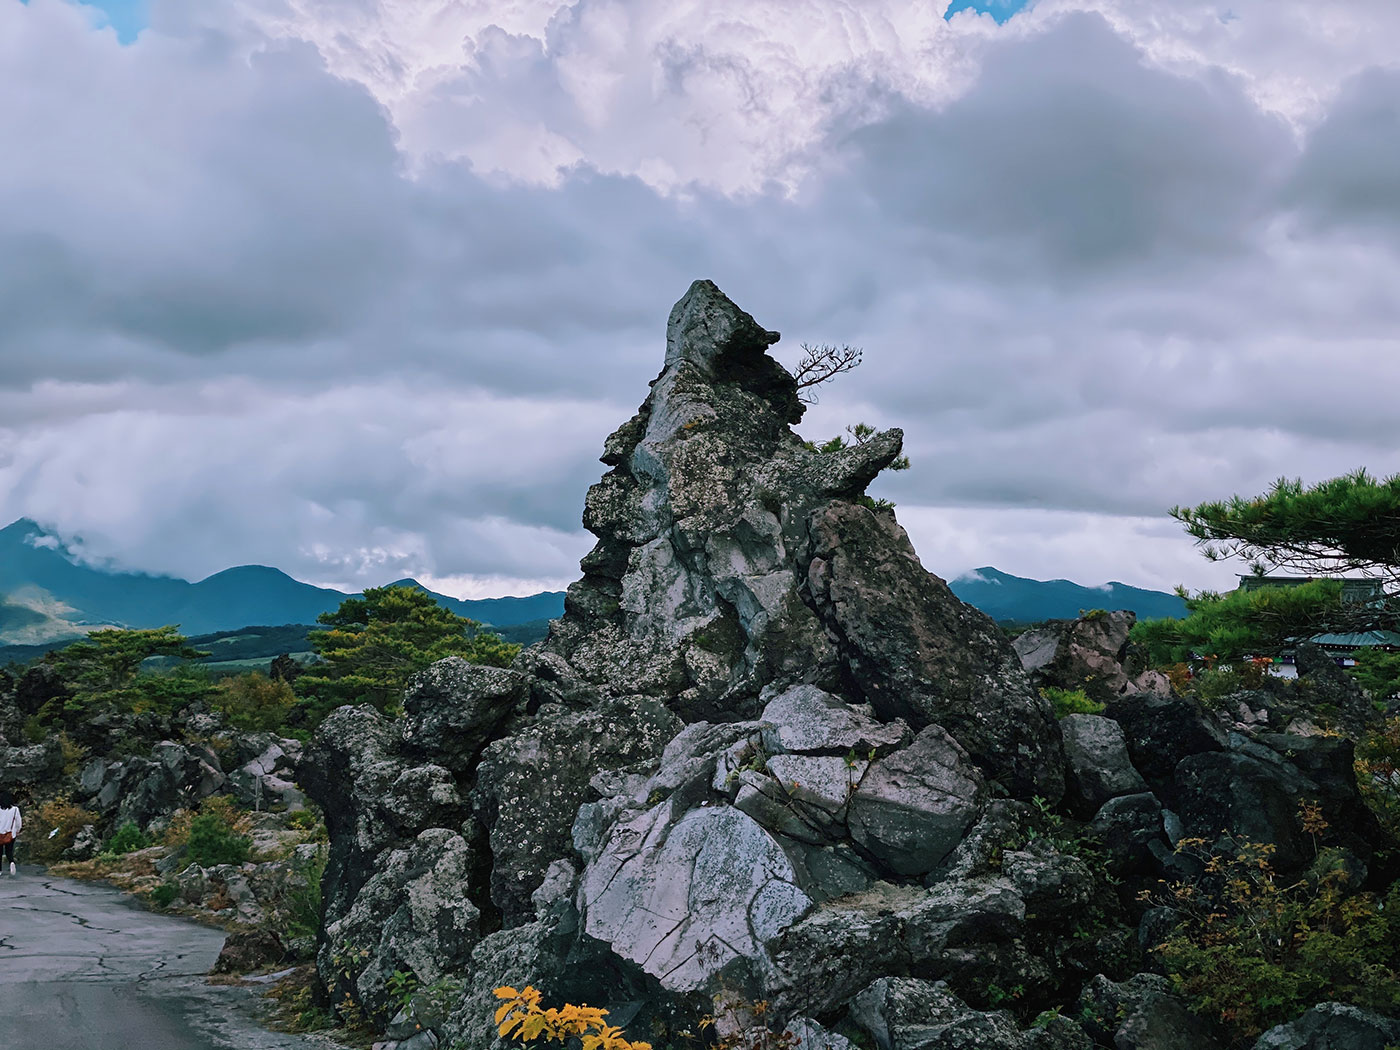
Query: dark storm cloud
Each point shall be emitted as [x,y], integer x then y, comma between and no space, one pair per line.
[1349,174]
[1070,155]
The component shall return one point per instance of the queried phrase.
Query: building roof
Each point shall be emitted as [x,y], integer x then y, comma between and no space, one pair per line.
[1359,639]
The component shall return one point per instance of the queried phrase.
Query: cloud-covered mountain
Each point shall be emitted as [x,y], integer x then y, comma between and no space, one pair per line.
[1005,597]
[46,593]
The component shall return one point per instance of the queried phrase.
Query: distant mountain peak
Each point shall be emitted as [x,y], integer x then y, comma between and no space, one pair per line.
[1003,596]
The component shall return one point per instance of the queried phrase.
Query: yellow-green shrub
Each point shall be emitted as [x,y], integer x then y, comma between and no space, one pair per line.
[1252,952]
[61,815]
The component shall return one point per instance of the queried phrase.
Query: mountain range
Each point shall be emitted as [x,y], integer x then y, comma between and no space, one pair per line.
[1005,597]
[47,594]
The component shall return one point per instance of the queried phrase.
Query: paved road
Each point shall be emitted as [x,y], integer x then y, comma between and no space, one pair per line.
[84,967]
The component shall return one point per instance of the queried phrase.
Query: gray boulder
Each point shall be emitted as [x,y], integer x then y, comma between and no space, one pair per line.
[911,808]
[454,707]
[968,932]
[1141,1013]
[415,914]
[23,767]
[1099,767]
[1333,1026]
[530,785]
[805,718]
[908,1014]
[1091,653]
[686,897]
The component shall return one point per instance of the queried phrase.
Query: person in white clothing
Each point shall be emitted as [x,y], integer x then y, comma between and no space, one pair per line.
[10,825]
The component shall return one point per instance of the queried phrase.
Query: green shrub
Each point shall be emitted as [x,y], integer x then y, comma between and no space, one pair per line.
[1071,701]
[213,841]
[1252,952]
[164,895]
[302,906]
[253,701]
[302,819]
[127,838]
[1215,684]
[1378,773]
[1377,672]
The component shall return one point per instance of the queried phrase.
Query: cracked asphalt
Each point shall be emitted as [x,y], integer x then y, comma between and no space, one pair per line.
[85,967]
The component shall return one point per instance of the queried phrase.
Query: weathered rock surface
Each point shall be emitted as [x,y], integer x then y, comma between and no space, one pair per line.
[414,914]
[1091,653]
[1161,731]
[912,807]
[1333,1026]
[31,764]
[1099,767]
[1142,1014]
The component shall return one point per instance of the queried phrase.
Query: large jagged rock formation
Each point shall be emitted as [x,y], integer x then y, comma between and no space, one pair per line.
[732,558]
[756,703]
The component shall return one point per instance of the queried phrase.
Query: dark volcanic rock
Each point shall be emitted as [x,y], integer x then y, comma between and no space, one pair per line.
[1333,1026]
[1099,768]
[530,785]
[454,707]
[1091,653]
[24,767]
[1162,730]
[916,652]
[1141,1013]
[732,557]
[756,706]
[246,950]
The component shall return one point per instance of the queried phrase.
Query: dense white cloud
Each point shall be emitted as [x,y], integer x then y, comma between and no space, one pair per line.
[357,289]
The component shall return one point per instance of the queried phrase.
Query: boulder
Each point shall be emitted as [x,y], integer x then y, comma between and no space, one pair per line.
[805,718]
[1141,1013]
[1099,767]
[686,896]
[908,1014]
[529,786]
[1091,653]
[1052,884]
[1255,792]
[265,780]
[912,807]
[1333,1026]
[24,767]
[1326,694]
[453,709]
[246,950]
[1130,827]
[968,932]
[919,654]
[1160,731]
[415,913]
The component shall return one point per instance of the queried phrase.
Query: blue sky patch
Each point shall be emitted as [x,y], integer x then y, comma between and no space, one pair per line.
[1001,10]
[127,17]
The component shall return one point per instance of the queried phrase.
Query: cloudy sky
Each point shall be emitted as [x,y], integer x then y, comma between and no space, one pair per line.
[356,288]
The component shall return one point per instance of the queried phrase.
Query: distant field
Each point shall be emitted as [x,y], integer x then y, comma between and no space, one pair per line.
[224,668]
